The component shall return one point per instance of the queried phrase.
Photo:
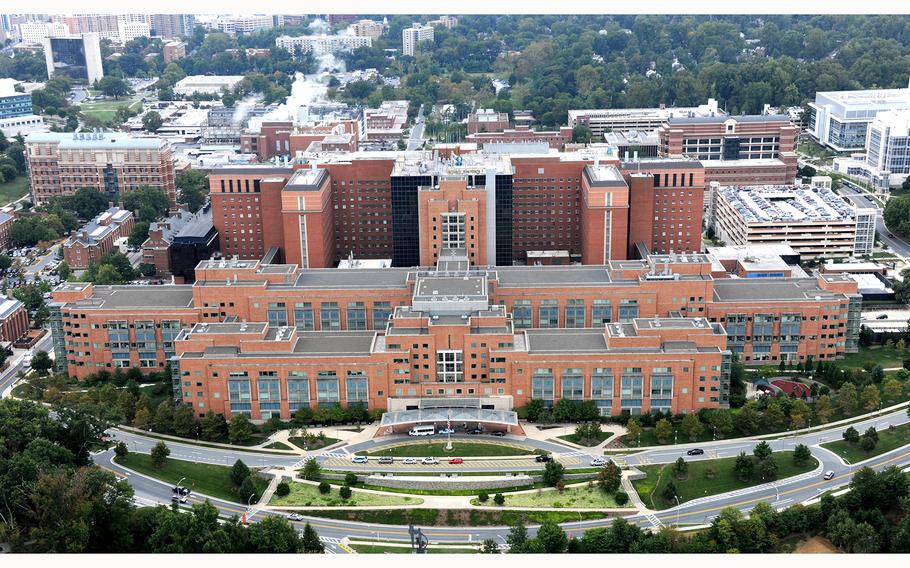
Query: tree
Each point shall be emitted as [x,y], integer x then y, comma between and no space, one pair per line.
[193,185]
[517,538]
[670,494]
[744,467]
[324,487]
[552,537]
[185,424]
[113,86]
[142,418]
[722,421]
[633,431]
[345,492]
[483,497]
[489,547]
[151,121]
[553,473]
[867,444]
[871,434]
[870,398]
[213,427]
[824,409]
[801,454]
[767,467]
[248,491]
[499,499]
[350,478]
[663,430]
[847,397]
[273,534]
[5,261]
[680,468]
[692,426]
[139,234]
[121,451]
[851,435]
[42,363]
[159,454]
[240,430]
[892,389]
[762,451]
[311,542]
[610,478]
[239,472]
[282,489]
[164,417]
[311,470]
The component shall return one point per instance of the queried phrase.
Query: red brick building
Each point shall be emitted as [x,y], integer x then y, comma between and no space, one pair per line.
[556,139]
[97,238]
[487,120]
[13,320]
[6,221]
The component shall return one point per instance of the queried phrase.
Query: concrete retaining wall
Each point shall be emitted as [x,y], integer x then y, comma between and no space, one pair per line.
[450,481]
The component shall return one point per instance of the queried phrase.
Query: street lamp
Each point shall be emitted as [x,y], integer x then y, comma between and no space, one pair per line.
[179,482]
[677,510]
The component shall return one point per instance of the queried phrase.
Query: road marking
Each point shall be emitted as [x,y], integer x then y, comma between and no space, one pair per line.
[655,522]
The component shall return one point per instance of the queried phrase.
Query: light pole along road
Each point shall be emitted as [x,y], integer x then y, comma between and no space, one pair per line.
[780,494]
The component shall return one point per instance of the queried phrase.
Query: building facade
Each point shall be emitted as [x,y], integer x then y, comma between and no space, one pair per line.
[97,238]
[412,36]
[77,57]
[840,119]
[61,163]
[13,319]
[322,44]
[16,116]
[601,121]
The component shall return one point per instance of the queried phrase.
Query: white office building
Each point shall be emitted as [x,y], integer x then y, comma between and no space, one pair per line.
[601,121]
[888,148]
[840,119]
[131,29]
[77,57]
[207,84]
[814,221]
[244,24]
[34,33]
[412,36]
[322,44]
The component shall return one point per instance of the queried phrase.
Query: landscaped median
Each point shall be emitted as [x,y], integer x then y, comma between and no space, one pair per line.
[305,494]
[455,517]
[212,480]
[708,477]
[888,439]
[578,497]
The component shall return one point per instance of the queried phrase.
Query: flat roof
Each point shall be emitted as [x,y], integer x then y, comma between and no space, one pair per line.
[770,290]
[90,140]
[471,287]
[444,414]
[163,297]
[334,343]
[531,276]
[566,340]
[793,203]
[306,180]
[366,278]
[721,119]
[604,176]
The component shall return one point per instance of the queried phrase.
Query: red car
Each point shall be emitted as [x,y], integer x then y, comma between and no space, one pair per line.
[456,460]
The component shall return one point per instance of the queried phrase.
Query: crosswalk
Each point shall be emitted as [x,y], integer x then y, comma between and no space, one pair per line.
[655,522]
[574,454]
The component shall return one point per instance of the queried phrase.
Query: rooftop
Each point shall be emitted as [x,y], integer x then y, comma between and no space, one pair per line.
[770,290]
[336,343]
[366,278]
[8,306]
[882,98]
[604,175]
[86,140]
[99,227]
[722,119]
[310,179]
[796,203]
[146,297]
[549,276]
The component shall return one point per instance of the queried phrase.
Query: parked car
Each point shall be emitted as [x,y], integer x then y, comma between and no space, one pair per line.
[181,490]
[429,461]
[295,517]
[828,475]
[598,462]
[890,235]
[882,317]
[695,452]
[543,459]
[499,434]
[475,431]
[386,460]
[446,431]
[360,459]
[409,461]
[179,499]
[454,461]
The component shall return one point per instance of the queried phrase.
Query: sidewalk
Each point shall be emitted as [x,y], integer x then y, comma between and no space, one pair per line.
[552,435]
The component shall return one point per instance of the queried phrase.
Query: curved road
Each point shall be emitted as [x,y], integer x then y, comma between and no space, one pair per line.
[780,494]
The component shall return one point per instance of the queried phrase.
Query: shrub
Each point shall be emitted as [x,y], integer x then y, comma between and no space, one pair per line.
[499,499]
[324,487]
[345,492]
[121,450]
[283,489]
[621,498]
[350,478]
[483,497]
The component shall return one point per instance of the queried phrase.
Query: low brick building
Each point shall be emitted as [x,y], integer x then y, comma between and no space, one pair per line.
[13,319]
[97,237]
[6,221]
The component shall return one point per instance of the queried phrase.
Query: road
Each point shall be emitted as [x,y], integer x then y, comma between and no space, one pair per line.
[36,268]
[781,494]
[416,138]
[858,198]
[8,376]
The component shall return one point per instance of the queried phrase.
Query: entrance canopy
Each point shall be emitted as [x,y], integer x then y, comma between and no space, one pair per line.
[444,414]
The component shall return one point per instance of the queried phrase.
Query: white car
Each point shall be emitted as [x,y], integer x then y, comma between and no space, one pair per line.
[409,461]
[295,517]
[828,475]
[360,459]
[598,462]
[429,461]
[446,431]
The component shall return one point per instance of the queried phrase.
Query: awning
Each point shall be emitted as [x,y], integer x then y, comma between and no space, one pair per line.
[443,414]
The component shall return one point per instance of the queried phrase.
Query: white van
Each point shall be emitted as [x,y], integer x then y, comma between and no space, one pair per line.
[426,430]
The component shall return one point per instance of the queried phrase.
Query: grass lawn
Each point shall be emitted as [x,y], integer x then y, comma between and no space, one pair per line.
[814,149]
[888,440]
[589,443]
[461,449]
[212,480]
[301,443]
[13,190]
[581,497]
[379,549]
[887,357]
[105,110]
[278,446]
[307,495]
[456,517]
[697,485]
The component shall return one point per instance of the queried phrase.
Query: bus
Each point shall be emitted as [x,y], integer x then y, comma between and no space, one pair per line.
[423,430]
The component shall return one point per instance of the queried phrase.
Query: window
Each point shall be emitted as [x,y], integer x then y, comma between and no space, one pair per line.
[278,314]
[453,235]
[118,334]
[449,366]
[661,388]
[357,315]
[549,313]
[601,313]
[269,397]
[628,310]
[573,384]
[169,331]
[381,313]
[575,313]
[145,336]
[298,390]
[329,316]
[239,393]
[326,387]
[542,385]
[602,389]
[356,387]
[630,389]
[522,317]
[303,316]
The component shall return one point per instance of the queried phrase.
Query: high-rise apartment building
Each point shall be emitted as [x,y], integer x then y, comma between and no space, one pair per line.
[34,33]
[321,44]
[113,162]
[412,36]
[367,28]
